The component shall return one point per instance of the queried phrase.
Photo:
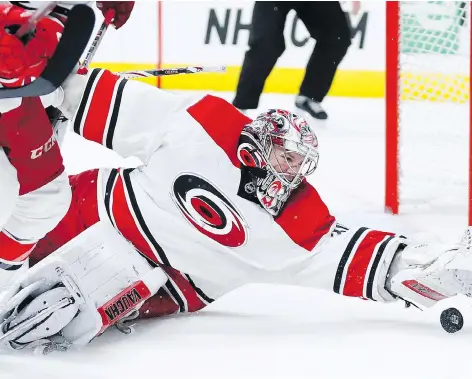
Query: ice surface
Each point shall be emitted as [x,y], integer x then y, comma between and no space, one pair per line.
[263,331]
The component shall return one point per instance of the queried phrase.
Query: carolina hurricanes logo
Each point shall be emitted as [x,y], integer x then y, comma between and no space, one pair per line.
[250,155]
[208,210]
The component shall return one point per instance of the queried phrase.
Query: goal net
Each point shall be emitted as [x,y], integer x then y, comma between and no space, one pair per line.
[427,104]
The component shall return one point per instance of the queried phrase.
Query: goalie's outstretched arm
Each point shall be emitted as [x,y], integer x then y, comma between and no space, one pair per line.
[126,116]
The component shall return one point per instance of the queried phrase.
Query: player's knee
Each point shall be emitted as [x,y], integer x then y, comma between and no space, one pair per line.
[267,49]
[335,45]
[344,41]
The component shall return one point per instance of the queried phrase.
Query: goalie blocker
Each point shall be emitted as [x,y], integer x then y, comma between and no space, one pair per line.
[94,281]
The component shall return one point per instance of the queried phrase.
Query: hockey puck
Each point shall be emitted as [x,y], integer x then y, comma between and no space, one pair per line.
[452,320]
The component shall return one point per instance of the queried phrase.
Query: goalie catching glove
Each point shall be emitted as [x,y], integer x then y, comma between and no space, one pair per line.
[94,281]
[423,274]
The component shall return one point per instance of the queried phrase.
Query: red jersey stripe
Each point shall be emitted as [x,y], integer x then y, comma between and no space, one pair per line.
[356,275]
[223,123]
[125,221]
[12,250]
[193,301]
[99,108]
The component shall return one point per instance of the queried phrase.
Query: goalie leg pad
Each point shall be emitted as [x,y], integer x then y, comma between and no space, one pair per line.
[104,275]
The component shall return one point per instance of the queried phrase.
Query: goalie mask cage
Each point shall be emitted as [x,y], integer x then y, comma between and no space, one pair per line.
[428,121]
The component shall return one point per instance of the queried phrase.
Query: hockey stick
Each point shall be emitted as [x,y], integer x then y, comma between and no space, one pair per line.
[77,31]
[42,11]
[170,71]
[96,42]
[55,114]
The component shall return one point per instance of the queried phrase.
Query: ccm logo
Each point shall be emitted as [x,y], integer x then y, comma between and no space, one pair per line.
[36,153]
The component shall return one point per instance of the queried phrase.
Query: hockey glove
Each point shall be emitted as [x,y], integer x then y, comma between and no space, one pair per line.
[122,11]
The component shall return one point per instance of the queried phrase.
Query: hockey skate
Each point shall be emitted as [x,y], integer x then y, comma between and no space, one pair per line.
[425,274]
[310,107]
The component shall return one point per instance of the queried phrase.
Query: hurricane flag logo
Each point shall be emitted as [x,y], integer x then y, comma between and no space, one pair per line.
[208,210]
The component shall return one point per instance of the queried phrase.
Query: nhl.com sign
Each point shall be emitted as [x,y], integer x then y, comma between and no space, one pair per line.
[228,26]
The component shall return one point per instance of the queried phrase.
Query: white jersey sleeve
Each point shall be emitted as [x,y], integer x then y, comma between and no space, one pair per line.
[53,99]
[26,218]
[128,117]
[9,190]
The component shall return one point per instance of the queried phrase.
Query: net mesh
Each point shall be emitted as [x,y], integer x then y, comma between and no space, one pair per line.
[434,105]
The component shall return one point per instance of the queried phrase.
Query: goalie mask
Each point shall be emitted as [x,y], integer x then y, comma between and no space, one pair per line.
[281,149]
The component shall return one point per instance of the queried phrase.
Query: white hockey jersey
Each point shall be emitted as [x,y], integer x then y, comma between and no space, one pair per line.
[181,208]
[9,190]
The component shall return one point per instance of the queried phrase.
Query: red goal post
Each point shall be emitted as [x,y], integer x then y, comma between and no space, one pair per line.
[428,47]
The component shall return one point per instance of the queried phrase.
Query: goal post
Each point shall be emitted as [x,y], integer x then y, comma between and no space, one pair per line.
[391,106]
[427,97]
